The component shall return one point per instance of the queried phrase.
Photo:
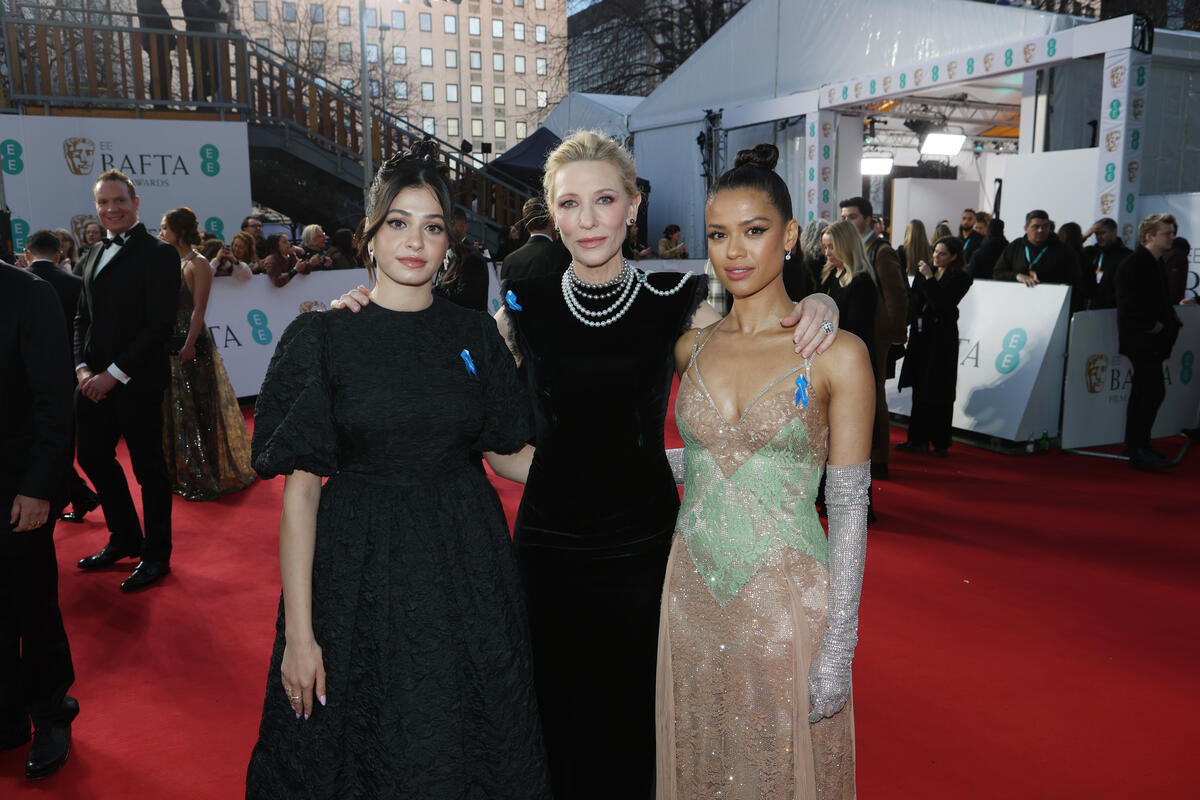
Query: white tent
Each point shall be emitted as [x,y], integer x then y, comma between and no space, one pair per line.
[763,66]
[607,113]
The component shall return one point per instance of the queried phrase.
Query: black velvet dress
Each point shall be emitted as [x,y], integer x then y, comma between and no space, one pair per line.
[595,525]
[416,602]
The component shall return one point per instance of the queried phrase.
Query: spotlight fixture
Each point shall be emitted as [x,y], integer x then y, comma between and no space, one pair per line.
[940,143]
[874,163]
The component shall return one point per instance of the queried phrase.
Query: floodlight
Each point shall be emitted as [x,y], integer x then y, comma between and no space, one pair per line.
[942,144]
[876,164]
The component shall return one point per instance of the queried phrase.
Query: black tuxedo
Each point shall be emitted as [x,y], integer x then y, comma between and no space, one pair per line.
[35,448]
[125,316]
[1142,301]
[538,257]
[68,287]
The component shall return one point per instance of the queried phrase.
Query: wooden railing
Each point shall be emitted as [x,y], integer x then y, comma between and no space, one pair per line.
[101,62]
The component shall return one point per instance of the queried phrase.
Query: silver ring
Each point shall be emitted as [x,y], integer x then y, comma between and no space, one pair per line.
[297,697]
[827,327]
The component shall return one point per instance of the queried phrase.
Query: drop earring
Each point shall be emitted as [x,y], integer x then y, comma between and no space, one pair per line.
[787,256]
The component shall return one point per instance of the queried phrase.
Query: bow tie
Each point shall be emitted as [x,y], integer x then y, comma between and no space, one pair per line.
[117,240]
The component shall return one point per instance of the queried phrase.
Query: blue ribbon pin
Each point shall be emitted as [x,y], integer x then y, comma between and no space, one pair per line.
[802,391]
[511,300]
[466,357]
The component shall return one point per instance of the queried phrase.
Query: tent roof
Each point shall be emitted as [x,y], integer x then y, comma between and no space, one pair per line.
[608,113]
[524,161]
[782,47]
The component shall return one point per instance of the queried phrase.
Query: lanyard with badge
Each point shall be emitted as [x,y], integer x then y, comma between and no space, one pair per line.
[1034,262]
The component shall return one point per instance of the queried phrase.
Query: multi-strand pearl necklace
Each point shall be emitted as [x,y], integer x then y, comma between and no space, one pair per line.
[624,288]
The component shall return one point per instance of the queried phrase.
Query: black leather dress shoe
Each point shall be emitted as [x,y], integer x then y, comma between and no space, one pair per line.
[51,746]
[144,574]
[105,558]
[80,508]
[1147,459]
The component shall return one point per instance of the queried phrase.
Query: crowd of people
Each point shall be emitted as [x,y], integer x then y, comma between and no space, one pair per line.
[704,647]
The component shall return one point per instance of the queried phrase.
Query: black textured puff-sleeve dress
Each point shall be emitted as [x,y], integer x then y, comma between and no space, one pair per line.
[596,522]
[415,597]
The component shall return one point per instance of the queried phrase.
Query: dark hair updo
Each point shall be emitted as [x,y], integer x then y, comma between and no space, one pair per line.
[755,169]
[418,167]
[183,223]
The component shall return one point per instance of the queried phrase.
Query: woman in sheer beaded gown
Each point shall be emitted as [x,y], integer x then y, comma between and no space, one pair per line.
[595,523]
[760,611]
[401,666]
[205,440]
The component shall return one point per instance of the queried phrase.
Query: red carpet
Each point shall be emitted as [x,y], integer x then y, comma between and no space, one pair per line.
[1028,631]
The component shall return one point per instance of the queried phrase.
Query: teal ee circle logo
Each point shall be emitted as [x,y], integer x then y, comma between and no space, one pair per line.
[258,327]
[210,160]
[1010,350]
[10,156]
[20,233]
[1185,367]
[215,226]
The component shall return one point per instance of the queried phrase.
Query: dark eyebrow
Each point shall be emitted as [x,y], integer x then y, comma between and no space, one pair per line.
[743,222]
[407,213]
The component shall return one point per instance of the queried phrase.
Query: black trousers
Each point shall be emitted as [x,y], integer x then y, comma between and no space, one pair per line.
[1145,396]
[35,659]
[930,421]
[135,413]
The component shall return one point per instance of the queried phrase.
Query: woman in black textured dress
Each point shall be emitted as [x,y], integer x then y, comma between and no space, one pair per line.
[402,665]
[596,520]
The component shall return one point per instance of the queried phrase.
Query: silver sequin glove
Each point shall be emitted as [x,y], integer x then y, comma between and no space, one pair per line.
[675,459]
[846,503]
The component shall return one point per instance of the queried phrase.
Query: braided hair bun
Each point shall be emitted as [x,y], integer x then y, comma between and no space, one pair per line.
[763,155]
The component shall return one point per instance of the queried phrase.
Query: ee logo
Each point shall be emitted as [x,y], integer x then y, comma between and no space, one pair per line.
[20,233]
[216,226]
[1185,371]
[1010,351]
[258,327]
[970,66]
[10,156]
[210,160]
[1114,109]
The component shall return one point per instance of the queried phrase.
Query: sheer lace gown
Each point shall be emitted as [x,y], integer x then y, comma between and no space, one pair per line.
[745,605]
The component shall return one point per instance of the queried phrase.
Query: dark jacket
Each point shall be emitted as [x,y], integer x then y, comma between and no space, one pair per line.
[126,313]
[1053,262]
[537,257]
[1100,272]
[1177,263]
[931,361]
[857,305]
[67,286]
[470,288]
[971,245]
[1142,301]
[279,267]
[35,391]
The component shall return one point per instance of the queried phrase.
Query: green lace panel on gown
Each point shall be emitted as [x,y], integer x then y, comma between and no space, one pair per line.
[750,487]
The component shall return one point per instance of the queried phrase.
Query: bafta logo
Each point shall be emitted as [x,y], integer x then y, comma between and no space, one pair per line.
[826,130]
[812,197]
[1029,50]
[826,214]
[80,154]
[988,60]
[1106,202]
[918,76]
[887,83]
[1116,77]
[1137,108]
[1112,140]
[826,174]
[812,152]
[830,94]
[1131,171]
[858,89]
[1127,233]
[79,222]
[951,70]
[1095,370]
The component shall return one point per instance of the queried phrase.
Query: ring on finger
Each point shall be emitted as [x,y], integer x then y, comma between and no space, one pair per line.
[827,327]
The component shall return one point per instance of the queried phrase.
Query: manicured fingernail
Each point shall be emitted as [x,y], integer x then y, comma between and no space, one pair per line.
[297,715]
[321,699]
[306,716]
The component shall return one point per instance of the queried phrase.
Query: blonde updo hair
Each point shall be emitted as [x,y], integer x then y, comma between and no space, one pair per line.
[589,146]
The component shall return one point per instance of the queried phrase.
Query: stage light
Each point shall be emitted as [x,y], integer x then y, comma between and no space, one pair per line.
[942,144]
[876,164]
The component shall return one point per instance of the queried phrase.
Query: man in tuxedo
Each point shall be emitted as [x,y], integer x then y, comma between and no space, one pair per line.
[1147,327]
[42,253]
[35,448]
[543,254]
[125,316]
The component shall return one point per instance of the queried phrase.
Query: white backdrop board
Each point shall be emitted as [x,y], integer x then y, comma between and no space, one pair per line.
[1012,345]
[930,200]
[1062,183]
[51,163]
[1098,381]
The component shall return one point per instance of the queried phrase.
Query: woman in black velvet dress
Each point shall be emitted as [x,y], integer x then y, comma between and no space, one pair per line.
[595,524]
[402,665]
[931,363]
[849,279]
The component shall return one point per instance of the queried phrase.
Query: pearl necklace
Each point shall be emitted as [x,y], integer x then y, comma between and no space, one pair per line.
[624,287]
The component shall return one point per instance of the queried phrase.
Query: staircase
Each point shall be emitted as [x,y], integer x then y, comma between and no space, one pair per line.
[304,133]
